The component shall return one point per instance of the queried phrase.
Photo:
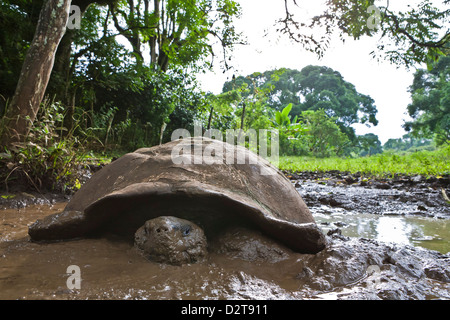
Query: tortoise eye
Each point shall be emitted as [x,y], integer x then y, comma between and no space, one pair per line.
[185,230]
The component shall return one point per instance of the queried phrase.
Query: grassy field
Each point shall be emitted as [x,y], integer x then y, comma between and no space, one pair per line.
[429,163]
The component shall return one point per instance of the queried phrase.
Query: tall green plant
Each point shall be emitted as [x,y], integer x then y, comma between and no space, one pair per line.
[290,131]
[49,158]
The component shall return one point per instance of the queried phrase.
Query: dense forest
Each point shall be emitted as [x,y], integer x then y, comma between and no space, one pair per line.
[126,78]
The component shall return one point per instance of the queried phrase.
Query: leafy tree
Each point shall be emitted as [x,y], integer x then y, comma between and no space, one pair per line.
[37,63]
[145,105]
[415,35]
[324,136]
[35,72]
[314,88]
[177,32]
[369,144]
[247,107]
[244,110]
[219,110]
[430,107]
[180,33]
[181,29]
[408,142]
[91,41]
[18,21]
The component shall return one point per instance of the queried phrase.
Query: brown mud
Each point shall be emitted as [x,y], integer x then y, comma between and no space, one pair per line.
[353,193]
[244,264]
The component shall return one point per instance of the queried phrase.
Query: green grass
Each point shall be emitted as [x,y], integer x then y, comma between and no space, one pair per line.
[429,163]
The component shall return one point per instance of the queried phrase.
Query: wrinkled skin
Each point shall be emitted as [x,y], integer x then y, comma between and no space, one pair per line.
[171,240]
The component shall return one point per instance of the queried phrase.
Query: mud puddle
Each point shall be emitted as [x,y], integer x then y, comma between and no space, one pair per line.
[426,232]
[115,270]
[379,198]
[414,215]
[371,254]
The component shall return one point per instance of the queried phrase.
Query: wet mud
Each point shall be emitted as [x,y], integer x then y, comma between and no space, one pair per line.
[402,195]
[244,264]
[403,210]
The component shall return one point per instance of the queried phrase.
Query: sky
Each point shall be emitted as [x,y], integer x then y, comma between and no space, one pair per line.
[387,84]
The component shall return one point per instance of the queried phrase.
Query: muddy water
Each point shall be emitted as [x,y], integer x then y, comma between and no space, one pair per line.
[416,216]
[112,270]
[426,232]
[115,270]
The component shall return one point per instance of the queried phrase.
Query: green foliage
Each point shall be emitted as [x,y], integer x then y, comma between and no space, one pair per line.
[50,157]
[369,144]
[284,123]
[17,23]
[132,114]
[290,132]
[220,109]
[419,35]
[313,88]
[240,108]
[428,163]
[416,34]
[178,33]
[430,107]
[311,131]
[409,143]
[324,136]
[124,99]
[131,104]
[282,118]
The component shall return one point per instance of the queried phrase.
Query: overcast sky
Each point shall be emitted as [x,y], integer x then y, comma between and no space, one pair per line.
[387,84]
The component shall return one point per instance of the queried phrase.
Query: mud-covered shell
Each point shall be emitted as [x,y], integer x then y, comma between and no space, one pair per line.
[152,182]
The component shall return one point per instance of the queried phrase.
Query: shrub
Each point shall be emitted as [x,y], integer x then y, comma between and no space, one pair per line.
[49,159]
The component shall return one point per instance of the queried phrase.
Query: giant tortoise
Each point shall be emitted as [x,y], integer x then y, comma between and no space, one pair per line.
[163,181]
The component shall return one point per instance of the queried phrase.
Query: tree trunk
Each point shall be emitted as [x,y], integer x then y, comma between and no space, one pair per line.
[243,116]
[242,122]
[35,73]
[210,117]
[59,82]
[61,76]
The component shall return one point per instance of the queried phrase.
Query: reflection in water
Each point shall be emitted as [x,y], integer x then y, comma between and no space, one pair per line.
[430,233]
[392,229]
